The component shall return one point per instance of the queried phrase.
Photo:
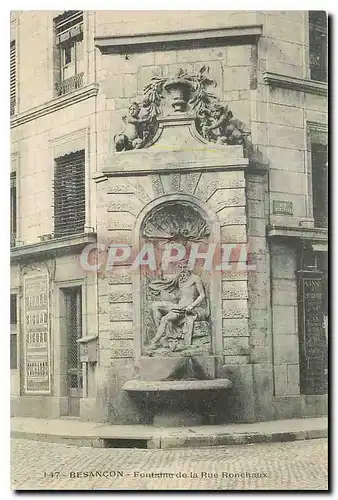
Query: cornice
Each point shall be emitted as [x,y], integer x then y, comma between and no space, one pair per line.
[55,104]
[53,247]
[162,160]
[319,235]
[179,39]
[294,83]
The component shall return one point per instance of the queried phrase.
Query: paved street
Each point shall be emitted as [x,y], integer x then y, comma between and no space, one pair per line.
[292,465]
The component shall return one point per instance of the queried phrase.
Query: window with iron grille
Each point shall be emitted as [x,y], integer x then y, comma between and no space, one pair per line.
[12,90]
[319,162]
[318,45]
[13,211]
[73,317]
[69,194]
[14,332]
[69,58]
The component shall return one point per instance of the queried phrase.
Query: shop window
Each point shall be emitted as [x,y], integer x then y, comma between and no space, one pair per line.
[312,318]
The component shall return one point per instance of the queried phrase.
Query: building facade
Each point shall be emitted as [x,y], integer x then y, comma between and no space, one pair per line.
[78,333]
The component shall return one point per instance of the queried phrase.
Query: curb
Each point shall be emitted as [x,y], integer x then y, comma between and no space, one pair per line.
[240,439]
[171,442]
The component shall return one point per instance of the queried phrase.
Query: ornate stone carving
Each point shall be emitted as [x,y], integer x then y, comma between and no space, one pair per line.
[176,221]
[189,182]
[135,130]
[156,185]
[180,88]
[180,310]
[217,124]
[38,267]
[189,92]
[175,308]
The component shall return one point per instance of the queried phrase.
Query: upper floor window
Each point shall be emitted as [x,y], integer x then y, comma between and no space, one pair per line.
[319,162]
[69,194]
[13,208]
[318,45]
[69,51]
[12,90]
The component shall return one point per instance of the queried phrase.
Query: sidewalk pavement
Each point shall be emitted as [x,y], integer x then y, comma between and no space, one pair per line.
[101,435]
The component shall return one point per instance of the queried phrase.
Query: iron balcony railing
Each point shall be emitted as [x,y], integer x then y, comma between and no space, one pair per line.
[72,83]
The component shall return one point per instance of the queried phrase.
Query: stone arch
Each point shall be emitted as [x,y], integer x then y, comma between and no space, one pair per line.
[211,279]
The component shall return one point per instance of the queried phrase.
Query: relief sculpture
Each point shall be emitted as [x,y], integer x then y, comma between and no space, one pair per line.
[176,305]
[181,301]
[189,93]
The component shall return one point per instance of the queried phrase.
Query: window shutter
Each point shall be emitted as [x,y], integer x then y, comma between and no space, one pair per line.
[319,160]
[318,45]
[69,194]
[13,214]
[12,78]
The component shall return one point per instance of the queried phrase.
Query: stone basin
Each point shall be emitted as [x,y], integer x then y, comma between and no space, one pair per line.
[178,402]
[177,385]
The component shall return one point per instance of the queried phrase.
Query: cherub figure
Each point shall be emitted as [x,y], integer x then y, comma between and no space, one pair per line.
[131,136]
[225,129]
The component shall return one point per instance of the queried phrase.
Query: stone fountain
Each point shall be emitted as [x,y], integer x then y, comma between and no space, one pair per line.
[175,162]
[184,398]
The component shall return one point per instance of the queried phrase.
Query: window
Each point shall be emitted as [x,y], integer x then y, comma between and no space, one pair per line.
[14,332]
[12,90]
[319,162]
[13,212]
[69,194]
[69,51]
[318,45]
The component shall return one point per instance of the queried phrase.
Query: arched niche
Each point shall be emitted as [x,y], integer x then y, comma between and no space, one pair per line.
[164,323]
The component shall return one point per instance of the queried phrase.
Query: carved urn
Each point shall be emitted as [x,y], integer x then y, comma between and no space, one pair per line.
[179,88]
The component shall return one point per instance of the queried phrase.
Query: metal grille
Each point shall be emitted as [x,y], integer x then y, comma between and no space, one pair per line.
[13,334]
[69,194]
[72,83]
[319,161]
[14,351]
[318,45]
[74,327]
[12,78]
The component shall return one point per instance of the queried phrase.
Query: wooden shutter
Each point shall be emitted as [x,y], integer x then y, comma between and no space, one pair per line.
[69,194]
[12,78]
[319,161]
[318,45]
[13,214]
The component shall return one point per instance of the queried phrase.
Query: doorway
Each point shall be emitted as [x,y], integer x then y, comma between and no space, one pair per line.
[73,320]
